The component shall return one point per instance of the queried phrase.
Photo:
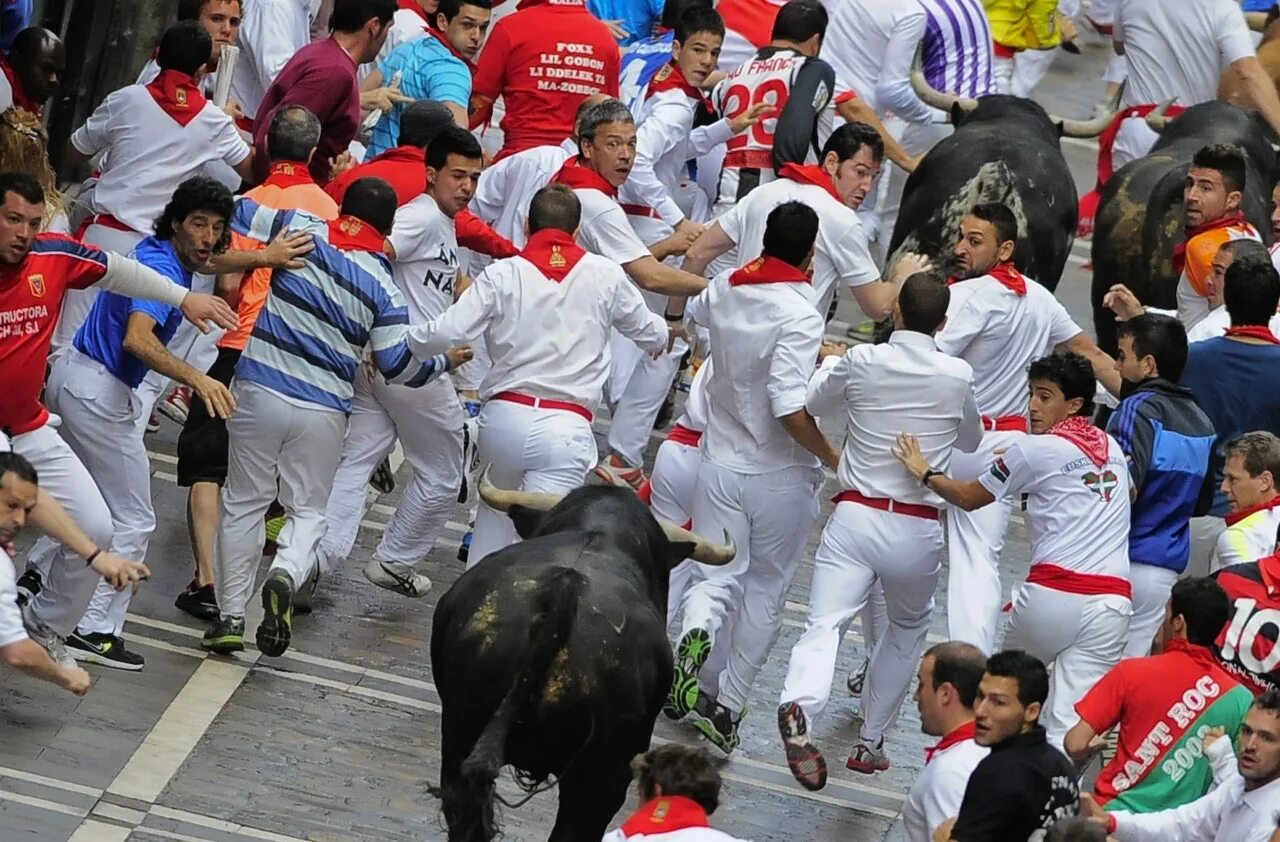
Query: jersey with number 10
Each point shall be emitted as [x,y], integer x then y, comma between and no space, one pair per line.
[797,88]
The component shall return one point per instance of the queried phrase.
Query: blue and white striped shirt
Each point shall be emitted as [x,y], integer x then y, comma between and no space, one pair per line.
[316,322]
[956,50]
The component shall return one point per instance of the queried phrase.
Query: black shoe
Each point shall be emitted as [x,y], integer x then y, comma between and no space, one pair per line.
[199,602]
[303,599]
[277,604]
[29,584]
[383,479]
[105,649]
[225,636]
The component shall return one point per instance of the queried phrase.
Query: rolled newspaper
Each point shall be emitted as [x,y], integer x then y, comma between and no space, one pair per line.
[226,70]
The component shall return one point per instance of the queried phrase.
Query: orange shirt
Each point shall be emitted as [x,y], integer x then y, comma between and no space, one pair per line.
[288,187]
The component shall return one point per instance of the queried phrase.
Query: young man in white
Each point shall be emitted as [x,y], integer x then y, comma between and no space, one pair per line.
[948,685]
[679,788]
[885,528]
[546,317]
[1249,481]
[271,31]
[427,420]
[999,321]
[1073,610]
[761,471]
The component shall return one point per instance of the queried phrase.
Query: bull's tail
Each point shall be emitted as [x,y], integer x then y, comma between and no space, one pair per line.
[555,607]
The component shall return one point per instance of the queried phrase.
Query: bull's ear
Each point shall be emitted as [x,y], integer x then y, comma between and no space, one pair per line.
[1062,128]
[957,113]
[680,550]
[526,520]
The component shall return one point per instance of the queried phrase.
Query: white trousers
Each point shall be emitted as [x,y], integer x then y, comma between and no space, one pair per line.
[1134,140]
[1151,588]
[77,303]
[1078,637]
[672,486]
[530,449]
[274,445]
[1002,74]
[639,384]
[976,539]
[768,516]
[1029,67]
[916,138]
[428,423]
[860,547]
[104,421]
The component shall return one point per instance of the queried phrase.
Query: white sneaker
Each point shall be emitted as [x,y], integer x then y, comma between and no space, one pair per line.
[39,631]
[397,577]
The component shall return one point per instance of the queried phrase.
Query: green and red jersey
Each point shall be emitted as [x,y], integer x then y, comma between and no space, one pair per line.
[1163,704]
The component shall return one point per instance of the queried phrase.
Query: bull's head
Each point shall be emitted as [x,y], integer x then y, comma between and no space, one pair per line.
[529,506]
[1159,119]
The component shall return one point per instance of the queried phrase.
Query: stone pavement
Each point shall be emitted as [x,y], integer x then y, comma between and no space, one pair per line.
[339,739]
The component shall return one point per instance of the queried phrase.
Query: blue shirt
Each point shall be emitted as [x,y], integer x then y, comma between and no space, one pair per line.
[15,16]
[640,62]
[428,71]
[101,337]
[638,16]
[1234,384]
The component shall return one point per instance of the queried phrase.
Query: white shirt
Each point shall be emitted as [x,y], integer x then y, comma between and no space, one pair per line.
[1077,513]
[148,153]
[11,628]
[688,834]
[505,189]
[841,253]
[938,791]
[1000,333]
[426,264]
[1179,51]
[604,229]
[536,348]
[872,44]
[271,31]
[905,385]
[764,343]
[151,70]
[695,405]
[1217,322]
[1226,814]
[216,169]
[1248,539]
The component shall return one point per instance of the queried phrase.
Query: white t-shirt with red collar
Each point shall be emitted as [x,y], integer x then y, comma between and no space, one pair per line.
[937,792]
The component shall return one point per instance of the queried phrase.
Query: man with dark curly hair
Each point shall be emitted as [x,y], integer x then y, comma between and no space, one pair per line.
[679,787]
[94,387]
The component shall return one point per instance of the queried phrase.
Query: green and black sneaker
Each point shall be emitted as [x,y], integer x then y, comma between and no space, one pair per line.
[277,605]
[225,636]
[691,653]
[721,728]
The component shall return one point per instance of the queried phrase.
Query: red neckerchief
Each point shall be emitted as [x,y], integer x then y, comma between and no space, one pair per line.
[1262,332]
[1009,277]
[574,175]
[351,234]
[1081,432]
[810,174]
[413,6]
[1202,655]
[665,814]
[288,174]
[957,735]
[1191,231]
[440,36]
[178,95]
[20,97]
[671,78]
[528,4]
[1232,518]
[553,252]
[768,270]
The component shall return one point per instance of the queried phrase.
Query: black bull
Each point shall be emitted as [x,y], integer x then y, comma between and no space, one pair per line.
[551,656]
[1140,217]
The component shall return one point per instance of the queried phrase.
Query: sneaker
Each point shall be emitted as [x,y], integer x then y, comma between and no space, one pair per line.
[305,597]
[105,649]
[277,619]
[28,585]
[225,636]
[808,766]
[721,728]
[857,680]
[198,601]
[867,758]
[397,577]
[464,548]
[39,631]
[616,472]
[691,653]
[382,479]
[177,405]
[153,423]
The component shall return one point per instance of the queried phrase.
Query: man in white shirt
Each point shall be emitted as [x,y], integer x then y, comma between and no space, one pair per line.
[1249,481]
[1243,808]
[545,316]
[427,420]
[271,31]
[1073,610]
[884,529]
[999,321]
[761,467]
[948,685]
[221,19]
[679,788]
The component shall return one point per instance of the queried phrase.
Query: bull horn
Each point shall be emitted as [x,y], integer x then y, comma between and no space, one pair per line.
[1257,21]
[1159,120]
[1095,126]
[502,499]
[933,97]
[704,551]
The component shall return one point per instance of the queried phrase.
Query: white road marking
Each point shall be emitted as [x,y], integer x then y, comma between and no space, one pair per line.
[121,814]
[52,806]
[1091,144]
[53,783]
[95,831]
[219,825]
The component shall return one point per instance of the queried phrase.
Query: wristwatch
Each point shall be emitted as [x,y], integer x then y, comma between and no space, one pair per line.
[929,474]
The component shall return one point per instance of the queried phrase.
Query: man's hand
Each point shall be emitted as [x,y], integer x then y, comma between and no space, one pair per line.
[675,330]
[908,453]
[616,30]
[1090,809]
[909,263]
[118,572]
[233,110]
[382,99]
[690,230]
[832,349]
[678,243]
[199,309]
[754,114]
[461,285]
[943,833]
[218,400]
[1121,301]
[76,680]
[1212,735]
[287,249]
[340,163]
[458,356]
